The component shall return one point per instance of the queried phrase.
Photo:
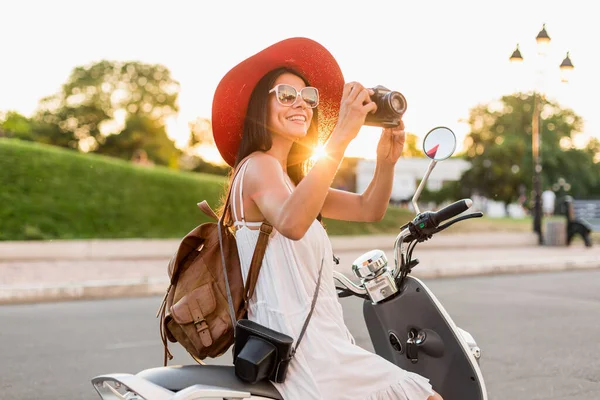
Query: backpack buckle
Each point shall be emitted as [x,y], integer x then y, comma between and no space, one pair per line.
[203,331]
[266,229]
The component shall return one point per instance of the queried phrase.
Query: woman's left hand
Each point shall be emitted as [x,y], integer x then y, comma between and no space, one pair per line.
[391,144]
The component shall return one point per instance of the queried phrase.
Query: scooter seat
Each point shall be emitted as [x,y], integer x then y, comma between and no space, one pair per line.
[176,378]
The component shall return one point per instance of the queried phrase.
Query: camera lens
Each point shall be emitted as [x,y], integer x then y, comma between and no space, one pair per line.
[391,106]
[397,102]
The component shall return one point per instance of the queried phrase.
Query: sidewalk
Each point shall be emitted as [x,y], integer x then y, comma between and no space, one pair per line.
[144,249]
[85,269]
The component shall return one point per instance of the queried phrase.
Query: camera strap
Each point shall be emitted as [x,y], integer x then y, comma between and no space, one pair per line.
[312,307]
[252,279]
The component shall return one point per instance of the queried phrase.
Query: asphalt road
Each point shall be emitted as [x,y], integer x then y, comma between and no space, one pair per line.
[539,335]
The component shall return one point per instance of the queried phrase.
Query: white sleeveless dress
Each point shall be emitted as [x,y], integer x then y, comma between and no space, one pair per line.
[327,365]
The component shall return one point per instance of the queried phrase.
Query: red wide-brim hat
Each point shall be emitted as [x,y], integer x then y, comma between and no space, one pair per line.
[305,56]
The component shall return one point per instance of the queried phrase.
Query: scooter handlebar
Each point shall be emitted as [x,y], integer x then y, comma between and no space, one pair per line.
[452,210]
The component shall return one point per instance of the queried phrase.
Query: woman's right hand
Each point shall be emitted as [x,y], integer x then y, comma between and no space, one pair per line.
[356,104]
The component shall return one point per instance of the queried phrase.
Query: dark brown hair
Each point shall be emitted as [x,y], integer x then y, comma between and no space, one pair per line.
[257,136]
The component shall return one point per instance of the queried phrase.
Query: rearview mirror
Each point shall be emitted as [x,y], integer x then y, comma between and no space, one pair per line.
[439,143]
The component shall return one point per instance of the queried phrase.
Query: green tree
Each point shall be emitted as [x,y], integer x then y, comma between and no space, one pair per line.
[101,101]
[411,149]
[15,125]
[499,147]
[593,149]
[141,133]
[201,137]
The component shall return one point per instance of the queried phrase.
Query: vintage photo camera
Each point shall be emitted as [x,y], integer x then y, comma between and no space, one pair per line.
[261,353]
[390,108]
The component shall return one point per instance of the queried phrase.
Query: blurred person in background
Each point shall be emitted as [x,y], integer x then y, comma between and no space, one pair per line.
[140,157]
[548,202]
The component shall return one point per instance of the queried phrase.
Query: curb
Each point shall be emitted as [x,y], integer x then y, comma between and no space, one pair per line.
[146,249]
[112,289]
[89,290]
[509,269]
[95,249]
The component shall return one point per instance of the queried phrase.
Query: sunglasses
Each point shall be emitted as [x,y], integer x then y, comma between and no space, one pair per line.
[287,95]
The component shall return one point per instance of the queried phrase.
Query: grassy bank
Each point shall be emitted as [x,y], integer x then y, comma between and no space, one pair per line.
[52,193]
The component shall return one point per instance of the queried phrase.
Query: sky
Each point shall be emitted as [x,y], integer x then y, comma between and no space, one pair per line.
[444,56]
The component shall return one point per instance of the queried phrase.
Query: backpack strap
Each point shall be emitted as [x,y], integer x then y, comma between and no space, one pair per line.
[205,208]
[257,257]
[256,263]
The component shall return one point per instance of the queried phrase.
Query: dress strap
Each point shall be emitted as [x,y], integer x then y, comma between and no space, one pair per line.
[287,183]
[238,185]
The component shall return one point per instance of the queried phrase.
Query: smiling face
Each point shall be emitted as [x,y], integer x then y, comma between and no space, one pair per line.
[291,122]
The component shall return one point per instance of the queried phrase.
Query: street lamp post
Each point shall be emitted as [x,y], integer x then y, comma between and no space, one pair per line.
[542,40]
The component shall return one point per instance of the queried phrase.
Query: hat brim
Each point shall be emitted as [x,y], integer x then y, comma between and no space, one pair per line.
[305,56]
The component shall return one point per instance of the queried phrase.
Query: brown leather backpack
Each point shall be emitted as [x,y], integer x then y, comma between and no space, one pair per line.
[195,309]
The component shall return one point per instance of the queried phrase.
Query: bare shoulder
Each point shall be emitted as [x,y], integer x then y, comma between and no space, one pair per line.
[263,168]
[264,187]
[259,157]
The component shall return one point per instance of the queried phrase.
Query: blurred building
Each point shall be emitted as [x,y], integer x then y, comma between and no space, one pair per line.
[408,174]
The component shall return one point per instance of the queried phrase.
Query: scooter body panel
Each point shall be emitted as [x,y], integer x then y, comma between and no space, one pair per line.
[443,357]
[177,378]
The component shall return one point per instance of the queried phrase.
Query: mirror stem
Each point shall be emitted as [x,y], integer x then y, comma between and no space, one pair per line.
[422,185]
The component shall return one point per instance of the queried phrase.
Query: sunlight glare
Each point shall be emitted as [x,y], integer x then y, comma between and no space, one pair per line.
[318,153]
[210,154]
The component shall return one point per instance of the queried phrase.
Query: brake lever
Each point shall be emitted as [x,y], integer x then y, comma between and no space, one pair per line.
[343,293]
[455,220]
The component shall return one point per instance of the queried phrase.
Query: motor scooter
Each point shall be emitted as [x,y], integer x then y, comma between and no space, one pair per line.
[407,324]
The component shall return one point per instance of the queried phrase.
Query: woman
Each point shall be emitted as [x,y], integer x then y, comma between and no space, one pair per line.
[268,113]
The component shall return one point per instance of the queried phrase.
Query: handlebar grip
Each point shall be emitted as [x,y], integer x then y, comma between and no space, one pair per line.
[452,210]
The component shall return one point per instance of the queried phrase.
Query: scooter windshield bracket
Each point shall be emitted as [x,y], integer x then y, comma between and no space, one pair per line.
[348,284]
[372,270]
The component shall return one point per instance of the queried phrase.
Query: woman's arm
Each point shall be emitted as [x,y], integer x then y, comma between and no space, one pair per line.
[293,213]
[369,206]
[290,213]
[372,204]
